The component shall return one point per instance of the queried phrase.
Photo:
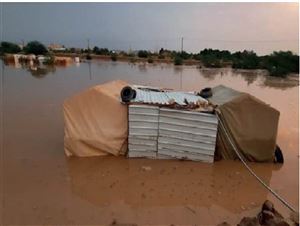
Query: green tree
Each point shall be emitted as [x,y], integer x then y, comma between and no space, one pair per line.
[96,49]
[245,60]
[143,54]
[184,55]
[36,48]
[281,63]
[8,47]
[100,51]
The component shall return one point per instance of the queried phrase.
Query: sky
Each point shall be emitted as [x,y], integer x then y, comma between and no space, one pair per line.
[261,27]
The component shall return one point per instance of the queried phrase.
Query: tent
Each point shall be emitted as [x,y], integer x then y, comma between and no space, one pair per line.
[96,122]
[250,123]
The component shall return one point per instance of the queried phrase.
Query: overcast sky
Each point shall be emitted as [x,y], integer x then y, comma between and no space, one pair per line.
[262,27]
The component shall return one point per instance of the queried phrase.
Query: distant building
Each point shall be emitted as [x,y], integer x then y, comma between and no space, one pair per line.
[116,51]
[56,47]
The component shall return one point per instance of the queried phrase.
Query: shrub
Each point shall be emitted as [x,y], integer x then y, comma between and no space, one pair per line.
[212,63]
[100,51]
[245,60]
[184,55]
[8,47]
[178,60]
[36,48]
[96,49]
[281,63]
[143,54]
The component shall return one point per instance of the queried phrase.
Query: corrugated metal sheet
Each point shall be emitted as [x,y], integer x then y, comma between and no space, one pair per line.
[143,131]
[171,134]
[165,98]
[187,135]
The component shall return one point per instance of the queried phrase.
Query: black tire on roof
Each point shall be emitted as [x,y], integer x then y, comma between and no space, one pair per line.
[206,92]
[127,94]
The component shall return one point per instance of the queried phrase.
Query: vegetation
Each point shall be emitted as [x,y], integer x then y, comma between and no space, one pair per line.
[245,60]
[213,58]
[178,60]
[143,54]
[36,48]
[278,63]
[184,55]
[8,47]
[281,63]
[100,51]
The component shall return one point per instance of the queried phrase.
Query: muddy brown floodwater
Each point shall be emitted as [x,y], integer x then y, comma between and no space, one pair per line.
[42,186]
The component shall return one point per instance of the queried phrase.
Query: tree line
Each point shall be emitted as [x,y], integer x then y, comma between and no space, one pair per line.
[278,63]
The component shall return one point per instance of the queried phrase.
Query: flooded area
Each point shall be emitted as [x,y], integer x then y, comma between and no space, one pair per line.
[42,186]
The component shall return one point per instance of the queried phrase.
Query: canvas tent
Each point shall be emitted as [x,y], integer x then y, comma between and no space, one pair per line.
[96,122]
[251,124]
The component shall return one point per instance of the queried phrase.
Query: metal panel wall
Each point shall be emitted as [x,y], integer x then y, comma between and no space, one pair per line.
[187,135]
[143,131]
[171,134]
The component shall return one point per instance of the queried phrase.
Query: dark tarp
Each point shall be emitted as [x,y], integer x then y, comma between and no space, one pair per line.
[251,124]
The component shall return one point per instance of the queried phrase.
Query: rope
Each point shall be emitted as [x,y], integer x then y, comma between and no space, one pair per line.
[252,172]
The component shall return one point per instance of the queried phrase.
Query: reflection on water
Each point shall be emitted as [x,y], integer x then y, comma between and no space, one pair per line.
[40,181]
[281,83]
[142,67]
[40,72]
[178,70]
[250,76]
[210,74]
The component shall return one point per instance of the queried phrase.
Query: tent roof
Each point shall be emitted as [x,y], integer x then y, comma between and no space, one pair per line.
[96,121]
[223,94]
[251,124]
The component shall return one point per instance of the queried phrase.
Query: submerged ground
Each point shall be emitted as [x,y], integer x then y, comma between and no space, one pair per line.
[42,186]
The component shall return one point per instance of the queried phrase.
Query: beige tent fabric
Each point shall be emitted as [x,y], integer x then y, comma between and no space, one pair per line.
[252,125]
[96,122]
